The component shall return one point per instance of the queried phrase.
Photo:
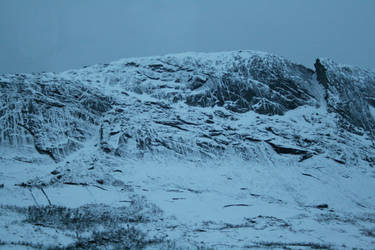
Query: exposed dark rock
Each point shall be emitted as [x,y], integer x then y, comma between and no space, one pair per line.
[55,172]
[159,104]
[132,64]
[197,82]
[285,150]
[321,73]
[114,133]
[309,175]
[322,206]
[305,157]
[175,124]
[261,84]
[339,161]
[236,205]
[75,183]
[186,122]
[251,139]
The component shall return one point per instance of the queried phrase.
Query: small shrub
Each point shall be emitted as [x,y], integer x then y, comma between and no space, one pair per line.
[89,216]
[21,243]
[122,238]
[287,245]
[368,232]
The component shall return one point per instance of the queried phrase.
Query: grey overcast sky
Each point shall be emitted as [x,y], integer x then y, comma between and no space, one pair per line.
[54,35]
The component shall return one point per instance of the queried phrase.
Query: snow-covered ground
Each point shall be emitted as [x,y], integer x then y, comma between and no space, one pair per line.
[227,204]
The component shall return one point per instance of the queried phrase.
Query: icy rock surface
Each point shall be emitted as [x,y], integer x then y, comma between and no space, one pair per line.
[193,105]
[55,114]
[350,93]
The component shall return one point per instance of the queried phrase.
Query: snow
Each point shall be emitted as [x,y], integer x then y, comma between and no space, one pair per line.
[196,198]
[124,133]
[372,111]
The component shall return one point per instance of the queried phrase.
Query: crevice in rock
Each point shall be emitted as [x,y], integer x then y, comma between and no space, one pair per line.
[284,150]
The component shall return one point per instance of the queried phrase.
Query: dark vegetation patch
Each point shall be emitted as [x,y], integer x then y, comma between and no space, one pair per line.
[21,210]
[287,245]
[327,218]
[348,219]
[123,238]
[259,223]
[88,216]
[22,243]
[95,226]
[368,232]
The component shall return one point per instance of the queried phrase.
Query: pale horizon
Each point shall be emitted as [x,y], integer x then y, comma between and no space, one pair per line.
[46,35]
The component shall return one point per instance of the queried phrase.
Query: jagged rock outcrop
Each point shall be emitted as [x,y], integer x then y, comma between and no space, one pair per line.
[350,93]
[261,83]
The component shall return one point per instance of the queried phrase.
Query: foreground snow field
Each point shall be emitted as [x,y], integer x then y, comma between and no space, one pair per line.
[228,204]
[191,151]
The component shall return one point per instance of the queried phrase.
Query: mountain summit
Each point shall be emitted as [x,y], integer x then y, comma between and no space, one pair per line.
[170,104]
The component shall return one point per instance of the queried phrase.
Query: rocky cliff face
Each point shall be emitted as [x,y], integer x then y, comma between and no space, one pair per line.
[192,106]
[350,93]
[57,115]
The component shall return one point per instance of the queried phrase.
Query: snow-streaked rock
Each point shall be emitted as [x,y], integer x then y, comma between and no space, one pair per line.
[350,94]
[224,143]
[190,105]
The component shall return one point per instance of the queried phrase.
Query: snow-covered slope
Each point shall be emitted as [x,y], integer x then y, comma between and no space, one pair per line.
[189,105]
[282,137]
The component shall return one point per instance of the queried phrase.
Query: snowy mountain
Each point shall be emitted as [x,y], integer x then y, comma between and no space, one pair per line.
[224,150]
